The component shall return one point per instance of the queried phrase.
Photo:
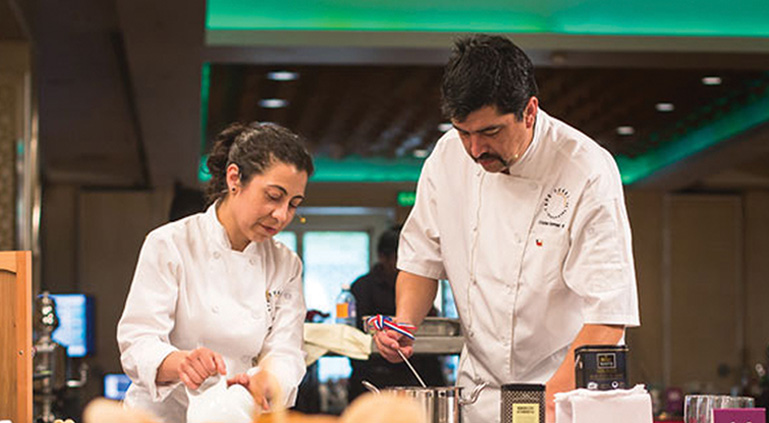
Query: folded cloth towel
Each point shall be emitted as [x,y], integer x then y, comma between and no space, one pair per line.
[213,401]
[320,338]
[618,405]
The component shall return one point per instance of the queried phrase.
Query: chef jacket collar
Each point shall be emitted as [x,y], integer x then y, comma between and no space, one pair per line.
[218,234]
[525,166]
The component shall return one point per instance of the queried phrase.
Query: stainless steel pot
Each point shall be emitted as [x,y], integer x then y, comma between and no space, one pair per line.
[441,404]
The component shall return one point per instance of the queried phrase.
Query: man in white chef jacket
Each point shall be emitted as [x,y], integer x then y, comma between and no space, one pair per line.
[525,216]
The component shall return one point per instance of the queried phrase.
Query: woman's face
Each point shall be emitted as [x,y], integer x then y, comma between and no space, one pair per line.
[267,203]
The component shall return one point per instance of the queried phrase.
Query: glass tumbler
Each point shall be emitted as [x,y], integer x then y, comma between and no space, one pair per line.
[699,408]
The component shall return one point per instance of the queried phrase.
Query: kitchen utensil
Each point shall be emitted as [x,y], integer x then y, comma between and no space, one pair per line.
[413,370]
[370,386]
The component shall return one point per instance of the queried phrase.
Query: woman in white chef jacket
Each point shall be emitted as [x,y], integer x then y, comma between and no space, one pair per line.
[213,293]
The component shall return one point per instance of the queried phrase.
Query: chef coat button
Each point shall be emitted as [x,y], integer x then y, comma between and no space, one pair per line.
[217,255]
[215,309]
[252,261]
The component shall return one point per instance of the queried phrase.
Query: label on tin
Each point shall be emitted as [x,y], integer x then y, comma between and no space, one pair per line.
[526,413]
[607,361]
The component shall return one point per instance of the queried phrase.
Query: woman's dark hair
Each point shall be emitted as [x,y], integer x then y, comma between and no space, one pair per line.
[486,70]
[253,147]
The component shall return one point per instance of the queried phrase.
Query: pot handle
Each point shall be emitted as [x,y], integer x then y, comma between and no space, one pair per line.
[370,386]
[474,395]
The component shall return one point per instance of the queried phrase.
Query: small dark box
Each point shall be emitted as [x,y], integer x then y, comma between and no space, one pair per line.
[601,367]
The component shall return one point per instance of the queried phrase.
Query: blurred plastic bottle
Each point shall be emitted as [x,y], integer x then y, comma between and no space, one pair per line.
[346,312]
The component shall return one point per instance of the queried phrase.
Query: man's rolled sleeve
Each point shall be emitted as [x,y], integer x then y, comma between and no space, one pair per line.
[419,249]
[599,266]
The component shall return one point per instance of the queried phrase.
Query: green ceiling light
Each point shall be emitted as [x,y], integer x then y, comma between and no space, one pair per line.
[205,88]
[203,174]
[351,169]
[368,169]
[726,126]
[407,198]
[707,18]
[205,84]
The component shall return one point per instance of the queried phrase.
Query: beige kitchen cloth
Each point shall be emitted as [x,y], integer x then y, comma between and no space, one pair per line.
[320,338]
[618,405]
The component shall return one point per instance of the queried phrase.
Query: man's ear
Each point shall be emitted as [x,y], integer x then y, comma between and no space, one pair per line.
[530,112]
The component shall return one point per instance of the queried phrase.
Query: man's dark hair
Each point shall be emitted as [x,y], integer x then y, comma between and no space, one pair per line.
[388,241]
[486,70]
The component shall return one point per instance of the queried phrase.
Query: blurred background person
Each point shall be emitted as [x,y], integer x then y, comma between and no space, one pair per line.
[375,294]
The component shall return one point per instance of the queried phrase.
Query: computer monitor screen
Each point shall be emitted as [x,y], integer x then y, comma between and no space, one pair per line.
[75,331]
[116,385]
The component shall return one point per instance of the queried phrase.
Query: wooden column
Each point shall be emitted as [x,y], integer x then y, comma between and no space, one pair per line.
[16,336]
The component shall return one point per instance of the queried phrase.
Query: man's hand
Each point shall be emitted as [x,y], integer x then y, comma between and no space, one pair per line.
[388,342]
[563,379]
[197,365]
[414,297]
[550,389]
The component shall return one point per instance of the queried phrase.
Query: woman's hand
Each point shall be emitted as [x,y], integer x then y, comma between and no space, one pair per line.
[194,367]
[262,386]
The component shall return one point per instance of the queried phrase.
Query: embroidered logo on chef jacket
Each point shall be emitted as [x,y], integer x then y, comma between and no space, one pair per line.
[272,298]
[555,206]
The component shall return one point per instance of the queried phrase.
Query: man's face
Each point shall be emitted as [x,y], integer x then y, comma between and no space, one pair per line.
[495,141]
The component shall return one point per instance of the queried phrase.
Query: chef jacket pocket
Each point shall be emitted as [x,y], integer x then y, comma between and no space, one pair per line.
[545,256]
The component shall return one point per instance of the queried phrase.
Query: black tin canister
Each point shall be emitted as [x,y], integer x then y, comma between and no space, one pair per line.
[601,367]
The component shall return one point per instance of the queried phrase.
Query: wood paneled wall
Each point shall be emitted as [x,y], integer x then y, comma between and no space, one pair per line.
[16,336]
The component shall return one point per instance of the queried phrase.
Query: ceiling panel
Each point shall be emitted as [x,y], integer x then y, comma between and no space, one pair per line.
[393,112]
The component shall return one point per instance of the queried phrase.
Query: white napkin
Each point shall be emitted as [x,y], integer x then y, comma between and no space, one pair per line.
[618,405]
[319,338]
[213,402]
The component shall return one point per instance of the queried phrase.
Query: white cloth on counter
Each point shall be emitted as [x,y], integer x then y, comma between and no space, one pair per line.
[586,406]
[191,289]
[320,338]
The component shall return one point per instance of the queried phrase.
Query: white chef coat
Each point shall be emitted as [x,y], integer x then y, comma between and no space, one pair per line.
[531,256]
[191,289]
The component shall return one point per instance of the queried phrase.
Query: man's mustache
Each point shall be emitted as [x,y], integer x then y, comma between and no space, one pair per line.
[490,156]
